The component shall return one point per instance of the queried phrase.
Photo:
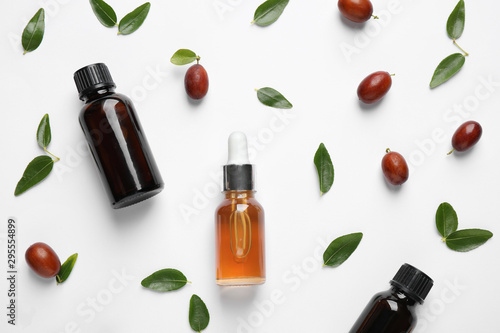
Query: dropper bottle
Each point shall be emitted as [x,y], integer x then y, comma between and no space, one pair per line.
[239,222]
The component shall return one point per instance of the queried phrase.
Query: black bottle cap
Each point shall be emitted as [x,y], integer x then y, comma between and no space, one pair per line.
[238,172]
[415,283]
[238,177]
[92,77]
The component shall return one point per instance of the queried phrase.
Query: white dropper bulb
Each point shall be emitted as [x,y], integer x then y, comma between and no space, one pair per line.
[238,149]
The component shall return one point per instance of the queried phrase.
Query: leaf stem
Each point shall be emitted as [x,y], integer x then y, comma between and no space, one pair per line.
[48,152]
[461,49]
[252,22]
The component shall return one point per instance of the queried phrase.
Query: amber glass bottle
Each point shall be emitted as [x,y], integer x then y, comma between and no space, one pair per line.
[393,311]
[116,139]
[239,222]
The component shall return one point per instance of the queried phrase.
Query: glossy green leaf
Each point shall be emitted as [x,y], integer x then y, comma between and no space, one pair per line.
[198,314]
[183,57]
[35,172]
[33,33]
[456,21]
[446,219]
[269,12]
[324,165]
[104,13]
[66,268]
[341,249]
[43,135]
[165,280]
[447,68]
[467,239]
[271,97]
[133,20]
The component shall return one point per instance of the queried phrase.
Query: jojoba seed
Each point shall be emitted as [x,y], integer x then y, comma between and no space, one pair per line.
[374,87]
[395,168]
[43,260]
[356,10]
[196,82]
[466,136]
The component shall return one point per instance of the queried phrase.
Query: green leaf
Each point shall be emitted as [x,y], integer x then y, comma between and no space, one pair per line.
[198,314]
[341,249]
[324,166]
[43,135]
[104,13]
[270,97]
[447,68]
[165,280]
[35,172]
[456,21]
[446,219]
[133,20]
[467,239]
[183,57]
[33,33]
[269,12]
[66,268]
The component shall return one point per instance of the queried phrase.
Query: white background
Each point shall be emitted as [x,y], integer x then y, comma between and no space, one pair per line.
[302,56]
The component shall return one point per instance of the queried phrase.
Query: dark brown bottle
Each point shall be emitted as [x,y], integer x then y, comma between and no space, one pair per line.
[116,139]
[393,311]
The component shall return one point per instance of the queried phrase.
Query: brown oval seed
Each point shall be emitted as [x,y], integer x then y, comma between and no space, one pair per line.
[43,260]
[466,136]
[374,87]
[395,168]
[196,82]
[356,10]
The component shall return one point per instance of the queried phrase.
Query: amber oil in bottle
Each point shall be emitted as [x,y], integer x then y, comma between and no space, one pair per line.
[239,222]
